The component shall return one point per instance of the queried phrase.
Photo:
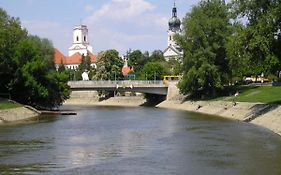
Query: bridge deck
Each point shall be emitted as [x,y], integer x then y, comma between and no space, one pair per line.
[154,87]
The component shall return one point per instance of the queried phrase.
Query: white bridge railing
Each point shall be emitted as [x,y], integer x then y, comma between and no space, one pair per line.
[109,83]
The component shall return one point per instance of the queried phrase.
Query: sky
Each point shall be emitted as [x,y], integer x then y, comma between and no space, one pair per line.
[112,24]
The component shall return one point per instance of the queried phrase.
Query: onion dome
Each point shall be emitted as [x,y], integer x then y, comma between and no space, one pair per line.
[174,22]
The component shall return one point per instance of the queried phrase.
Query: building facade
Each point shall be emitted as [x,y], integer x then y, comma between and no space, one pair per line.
[173,50]
[80,47]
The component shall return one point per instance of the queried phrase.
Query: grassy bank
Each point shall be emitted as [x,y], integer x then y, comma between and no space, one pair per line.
[262,94]
[5,104]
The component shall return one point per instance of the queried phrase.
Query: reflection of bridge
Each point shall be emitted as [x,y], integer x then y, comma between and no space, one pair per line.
[150,87]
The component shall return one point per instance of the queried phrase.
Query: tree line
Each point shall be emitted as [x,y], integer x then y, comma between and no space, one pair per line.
[144,65]
[224,42]
[27,70]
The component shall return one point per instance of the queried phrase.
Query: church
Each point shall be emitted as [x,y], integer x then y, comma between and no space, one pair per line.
[173,50]
[80,47]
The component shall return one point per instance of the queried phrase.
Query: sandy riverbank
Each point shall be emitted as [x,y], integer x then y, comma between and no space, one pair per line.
[265,115]
[17,114]
[132,101]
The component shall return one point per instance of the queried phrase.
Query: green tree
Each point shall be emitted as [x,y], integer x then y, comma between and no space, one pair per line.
[35,81]
[154,71]
[109,66]
[205,32]
[174,65]
[136,60]
[157,56]
[85,65]
[259,40]
[27,70]
[10,34]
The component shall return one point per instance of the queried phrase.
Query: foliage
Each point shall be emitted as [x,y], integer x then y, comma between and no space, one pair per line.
[258,42]
[109,66]
[205,33]
[156,56]
[85,65]
[137,60]
[27,70]
[174,65]
[10,34]
[154,71]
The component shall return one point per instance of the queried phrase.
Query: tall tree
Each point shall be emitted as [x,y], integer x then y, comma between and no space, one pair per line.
[27,70]
[10,34]
[205,32]
[154,71]
[259,39]
[109,66]
[137,60]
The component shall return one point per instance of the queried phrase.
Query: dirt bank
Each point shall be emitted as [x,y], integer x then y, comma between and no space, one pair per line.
[17,114]
[132,101]
[266,115]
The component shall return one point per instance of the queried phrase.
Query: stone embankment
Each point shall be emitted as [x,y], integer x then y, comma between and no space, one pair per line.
[266,115]
[18,114]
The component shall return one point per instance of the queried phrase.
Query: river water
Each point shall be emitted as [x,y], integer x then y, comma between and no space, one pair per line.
[141,141]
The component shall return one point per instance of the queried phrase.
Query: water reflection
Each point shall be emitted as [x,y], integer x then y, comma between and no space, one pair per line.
[138,141]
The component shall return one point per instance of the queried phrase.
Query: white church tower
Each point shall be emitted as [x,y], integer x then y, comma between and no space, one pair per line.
[173,50]
[80,41]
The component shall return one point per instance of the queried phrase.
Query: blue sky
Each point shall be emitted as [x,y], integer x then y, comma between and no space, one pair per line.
[112,24]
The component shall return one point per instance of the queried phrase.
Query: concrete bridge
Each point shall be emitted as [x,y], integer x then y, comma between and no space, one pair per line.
[149,87]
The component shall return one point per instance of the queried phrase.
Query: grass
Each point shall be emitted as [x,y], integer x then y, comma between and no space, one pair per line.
[263,94]
[5,104]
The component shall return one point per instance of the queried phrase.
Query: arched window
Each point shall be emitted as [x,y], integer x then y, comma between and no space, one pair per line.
[170,38]
[84,38]
[77,38]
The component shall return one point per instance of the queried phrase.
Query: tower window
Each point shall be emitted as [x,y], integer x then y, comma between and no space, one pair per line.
[84,38]
[77,38]
[170,38]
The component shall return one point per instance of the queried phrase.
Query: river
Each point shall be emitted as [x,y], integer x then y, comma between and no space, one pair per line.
[141,141]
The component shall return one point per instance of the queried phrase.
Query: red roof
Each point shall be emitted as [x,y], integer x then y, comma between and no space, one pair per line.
[126,70]
[59,58]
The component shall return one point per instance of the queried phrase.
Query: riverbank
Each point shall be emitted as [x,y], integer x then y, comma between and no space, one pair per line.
[265,115]
[132,101]
[18,114]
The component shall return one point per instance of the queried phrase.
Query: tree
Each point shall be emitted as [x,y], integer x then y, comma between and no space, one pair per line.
[84,65]
[10,34]
[205,32]
[154,71]
[109,66]
[136,60]
[157,55]
[35,81]
[259,39]
[27,69]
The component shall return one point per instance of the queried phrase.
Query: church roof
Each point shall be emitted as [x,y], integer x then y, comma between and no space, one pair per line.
[60,58]
[175,50]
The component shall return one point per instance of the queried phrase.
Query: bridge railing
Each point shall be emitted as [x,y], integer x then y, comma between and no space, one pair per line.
[111,83]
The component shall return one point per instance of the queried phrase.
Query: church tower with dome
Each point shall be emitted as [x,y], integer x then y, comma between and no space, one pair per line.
[173,50]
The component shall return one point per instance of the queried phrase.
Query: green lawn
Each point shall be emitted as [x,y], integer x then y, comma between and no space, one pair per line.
[263,94]
[5,104]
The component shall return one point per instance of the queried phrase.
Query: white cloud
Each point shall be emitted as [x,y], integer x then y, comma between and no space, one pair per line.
[120,10]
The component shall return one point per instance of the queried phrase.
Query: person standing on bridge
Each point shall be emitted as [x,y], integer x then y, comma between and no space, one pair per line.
[85,76]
